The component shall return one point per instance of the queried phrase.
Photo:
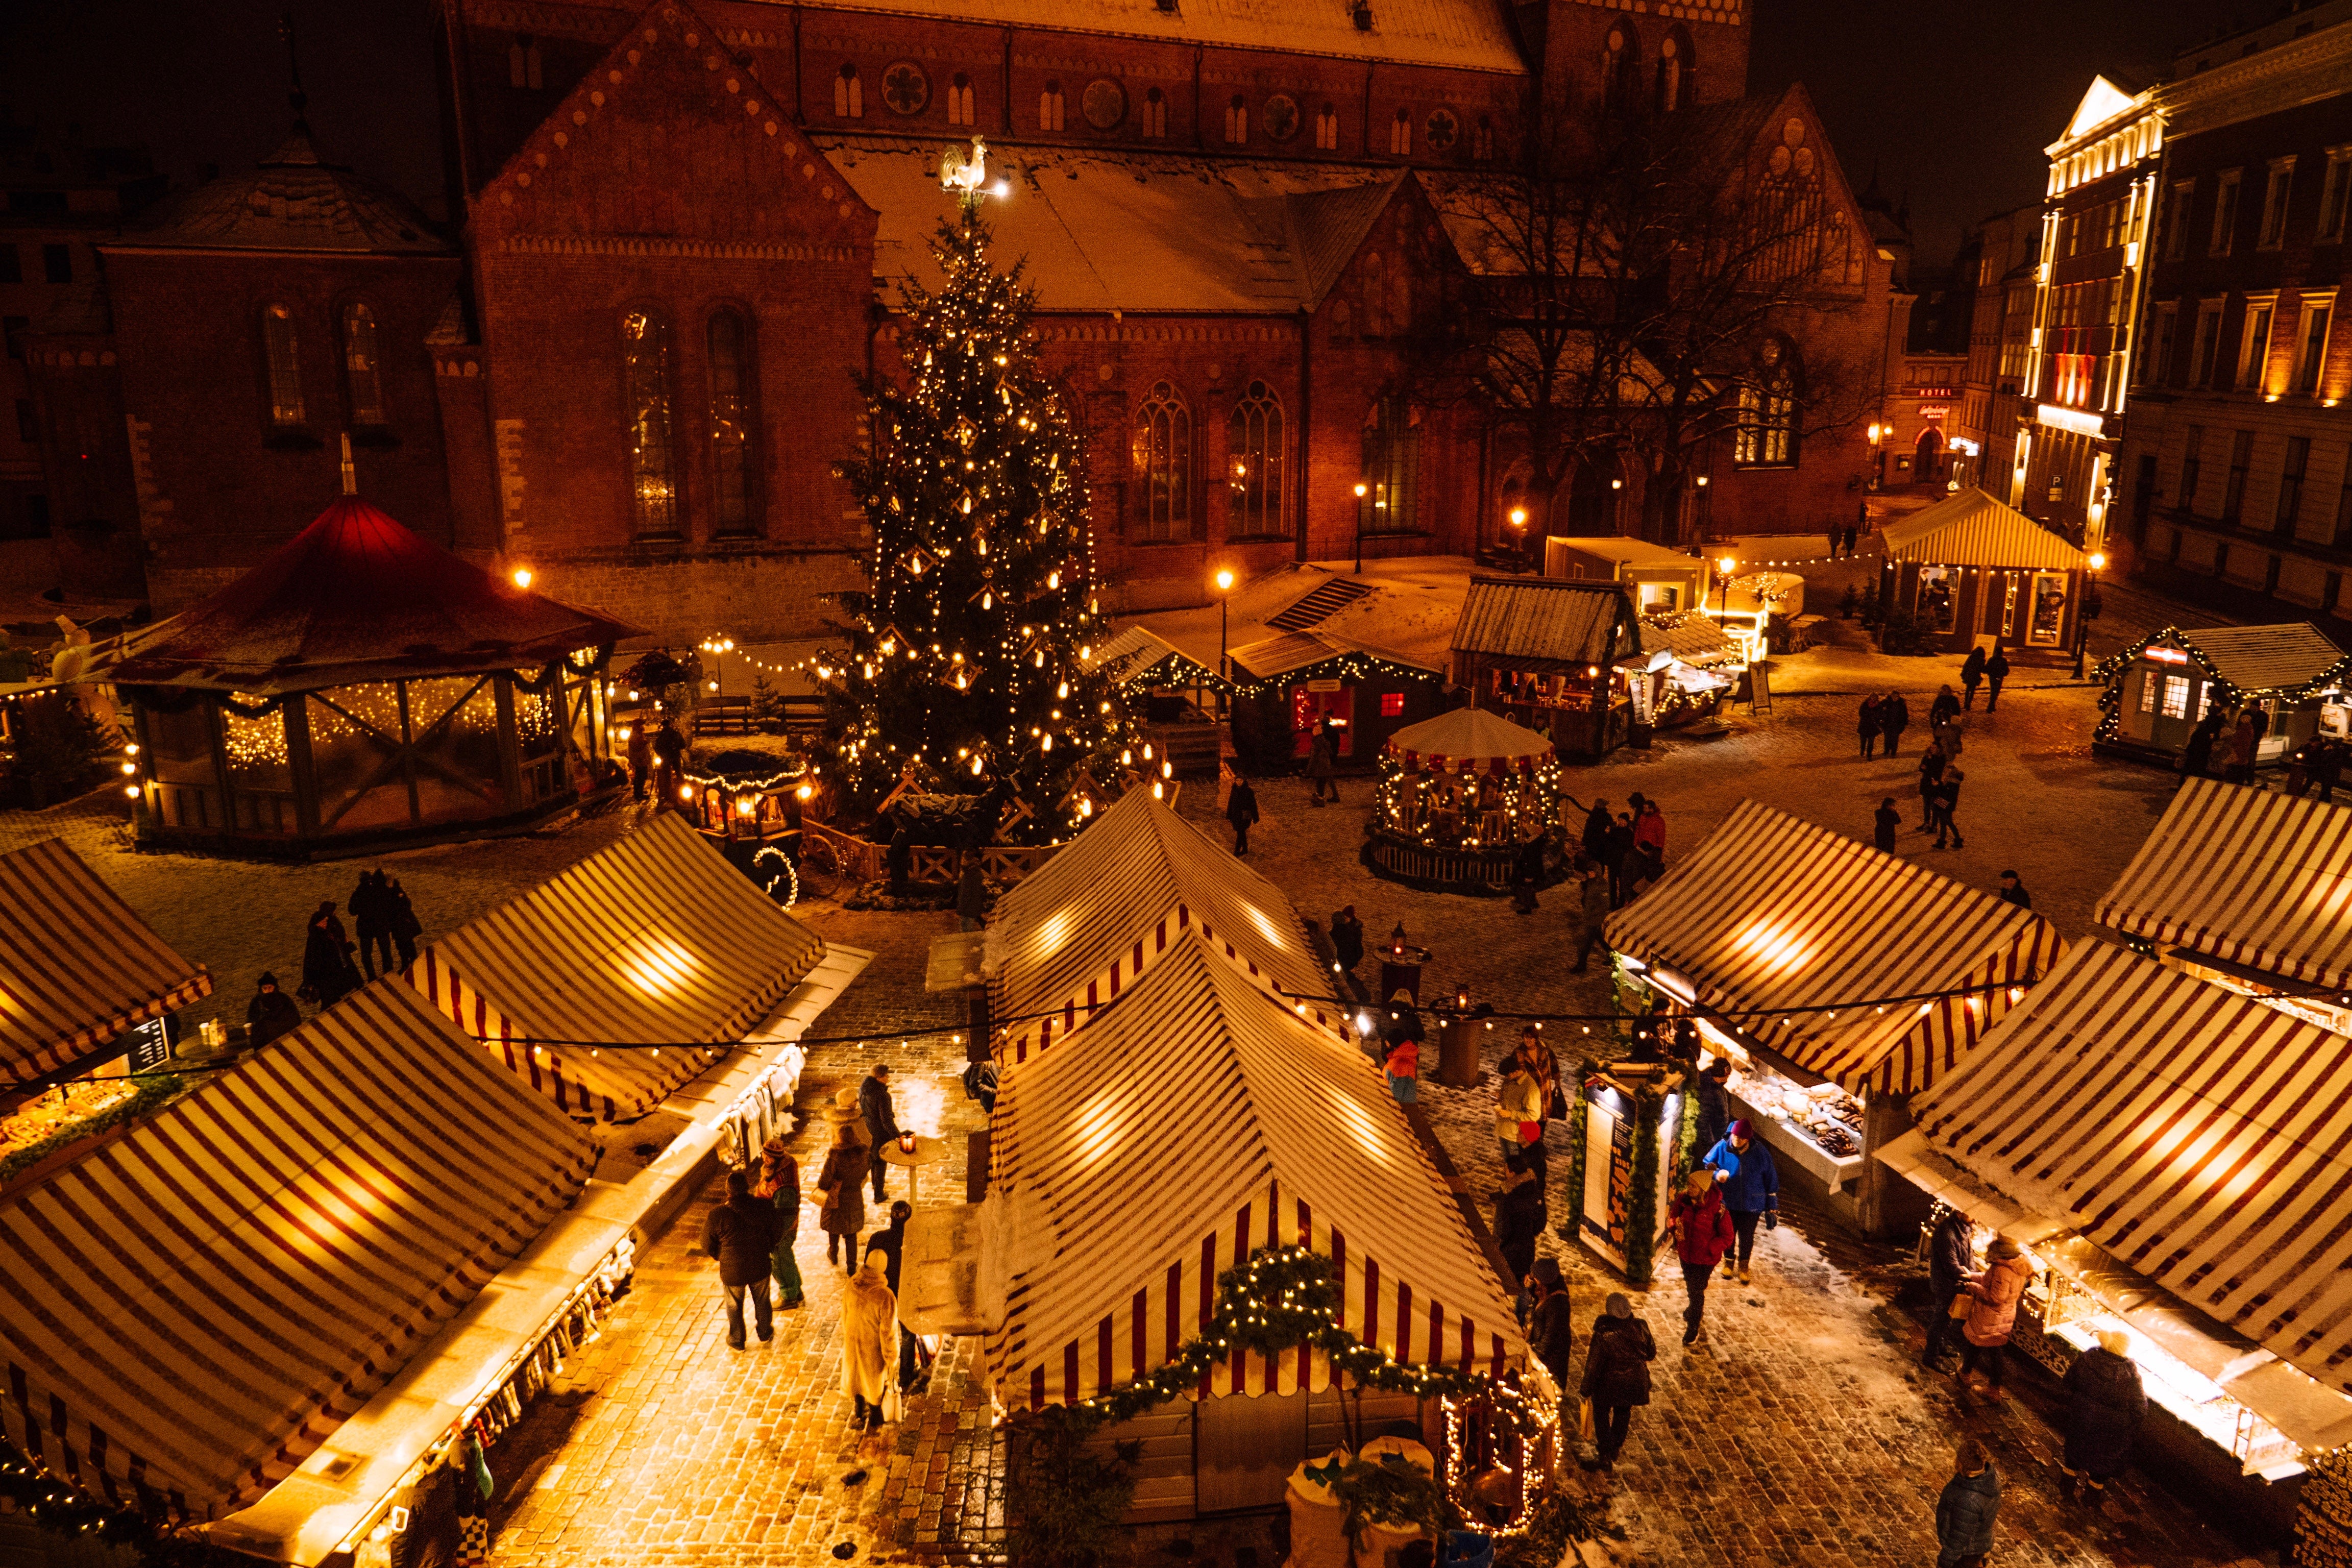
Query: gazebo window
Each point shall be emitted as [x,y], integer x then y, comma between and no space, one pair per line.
[281,356]
[363,373]
[653,456]
[732,425]
[1254,459]
[1164,456]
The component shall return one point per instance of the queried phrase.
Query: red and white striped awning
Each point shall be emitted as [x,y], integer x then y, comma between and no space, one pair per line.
[76,967]
[1065,942]
[1774,912]
[2247,876]
[657,942]
[1197,1121]
[188,1311]
[2200,1137]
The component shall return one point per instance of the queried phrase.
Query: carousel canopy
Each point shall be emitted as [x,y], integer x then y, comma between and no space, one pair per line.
[1774,912]
[197,1307]
[1971,529]
[657,941]
[356,597]
[1470,739]
[1198,1121]
[1067,939]
[2245,877]
[76,965]
[2194,1136]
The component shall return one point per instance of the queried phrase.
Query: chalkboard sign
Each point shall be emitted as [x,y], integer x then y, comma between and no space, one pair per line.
[1759,688]
[148,1045]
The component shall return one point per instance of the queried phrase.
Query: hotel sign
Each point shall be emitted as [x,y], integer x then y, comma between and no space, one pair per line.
[2078,421]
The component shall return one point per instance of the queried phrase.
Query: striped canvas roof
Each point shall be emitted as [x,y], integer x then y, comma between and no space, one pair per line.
[1196,1121]
[1145,651]
[2201,1138]
[1971,529]
[196,1305]
[657,941]
[2247,876]
[1067,939]
[76,967]
[1772,912]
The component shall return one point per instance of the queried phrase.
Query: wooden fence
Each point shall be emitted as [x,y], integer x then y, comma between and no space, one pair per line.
[862,860]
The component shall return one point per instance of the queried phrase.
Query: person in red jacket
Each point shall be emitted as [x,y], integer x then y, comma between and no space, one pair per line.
[1701,1229]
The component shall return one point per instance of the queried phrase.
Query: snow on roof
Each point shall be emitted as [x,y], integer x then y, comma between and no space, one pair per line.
[294,200]
[1470,35]
[1125,231]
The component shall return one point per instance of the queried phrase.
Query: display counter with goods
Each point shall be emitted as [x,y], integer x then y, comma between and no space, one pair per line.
[1819,1127]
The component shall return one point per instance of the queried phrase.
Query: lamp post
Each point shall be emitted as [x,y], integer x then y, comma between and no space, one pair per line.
[1362,489]
[1723,566]
[1225,605]
[2083,612]
[1518,519]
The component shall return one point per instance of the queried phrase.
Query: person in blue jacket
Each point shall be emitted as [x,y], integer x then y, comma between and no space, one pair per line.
[1751,1189]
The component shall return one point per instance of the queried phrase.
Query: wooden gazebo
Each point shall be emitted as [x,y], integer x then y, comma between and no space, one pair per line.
[362,688]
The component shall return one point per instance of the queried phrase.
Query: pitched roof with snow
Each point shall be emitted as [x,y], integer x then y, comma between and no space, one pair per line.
[294,200]
[1534,621]
[1971,529]
[2263,659]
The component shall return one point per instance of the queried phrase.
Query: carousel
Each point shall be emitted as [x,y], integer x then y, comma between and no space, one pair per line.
[1461,797]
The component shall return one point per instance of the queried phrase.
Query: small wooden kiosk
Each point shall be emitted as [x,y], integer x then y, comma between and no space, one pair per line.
[1970,571]
[2157,689]
[1545,653]
[1284,686]
[1662,581]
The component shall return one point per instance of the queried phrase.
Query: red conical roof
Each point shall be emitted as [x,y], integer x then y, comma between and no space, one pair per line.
[358,596]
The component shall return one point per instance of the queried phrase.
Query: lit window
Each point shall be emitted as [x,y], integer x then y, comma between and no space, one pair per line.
[959,100]
[2254,346]
[1254,459]
[730,424]
[281,352]
[1164,456]
[2150,684]
[848,94]
[1391,704]
[2313,360]
[1391,502]
[2176,697]
[361,373]
[1326,128]
[1049,107]
[1155,114]
[652,458]
[1766,436]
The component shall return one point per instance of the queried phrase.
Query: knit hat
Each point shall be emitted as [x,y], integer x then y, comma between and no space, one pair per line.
[266,979]
[1740,1129]
[1547,1273]
[2003,1247]
[1617,1306]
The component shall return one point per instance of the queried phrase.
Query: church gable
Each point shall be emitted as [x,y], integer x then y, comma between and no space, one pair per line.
[1395,270]
[1792,153]
[674,142]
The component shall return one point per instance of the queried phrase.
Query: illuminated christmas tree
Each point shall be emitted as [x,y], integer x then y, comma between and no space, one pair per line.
[967,658]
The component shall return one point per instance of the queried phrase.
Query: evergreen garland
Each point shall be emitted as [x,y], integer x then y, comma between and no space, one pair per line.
[62,1508]
[1642,1196]
[1579,1137]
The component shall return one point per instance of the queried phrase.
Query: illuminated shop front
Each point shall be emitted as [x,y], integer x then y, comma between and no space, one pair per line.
[1284,687]
[2160,688]
[1458,797]
[364,688]
[1970,572]
[2161,1146]
[1545,654]
[1771,938]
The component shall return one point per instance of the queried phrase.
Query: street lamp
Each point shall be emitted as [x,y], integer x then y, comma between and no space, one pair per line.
[1225,605]
[1723,566]
[2096,560]
[1362,489]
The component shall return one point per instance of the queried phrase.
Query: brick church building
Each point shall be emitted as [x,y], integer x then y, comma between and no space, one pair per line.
[683,226]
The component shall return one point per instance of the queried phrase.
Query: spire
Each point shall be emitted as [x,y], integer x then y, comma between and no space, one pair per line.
[298,148]
[351,474]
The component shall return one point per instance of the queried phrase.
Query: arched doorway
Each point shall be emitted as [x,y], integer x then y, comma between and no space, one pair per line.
[1926,465]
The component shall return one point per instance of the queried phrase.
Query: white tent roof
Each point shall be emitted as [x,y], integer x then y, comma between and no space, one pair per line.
[1471,738]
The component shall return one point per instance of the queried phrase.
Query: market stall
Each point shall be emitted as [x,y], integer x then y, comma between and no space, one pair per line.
[1459,796]
[1838,981]
[746,801]
[188,1366]
[655,942]
[1545,654]
[87,981]
[1971,572]
[2171,1155]
[1687,669]
[1658,580]
[1124,1192]
[2158,689]
[364,688]
[1287,686]
[1068,941]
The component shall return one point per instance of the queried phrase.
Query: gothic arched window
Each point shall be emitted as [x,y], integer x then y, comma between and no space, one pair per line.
[1163,458]
[281,356]
[1766,436]
[652,451]
[733,422]
[362,371]
[1254,463]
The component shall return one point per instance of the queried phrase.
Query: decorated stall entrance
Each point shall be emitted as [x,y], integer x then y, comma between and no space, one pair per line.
[1970,571]
[2159,688]
[1838,981]
[1461,799]
[1287,686]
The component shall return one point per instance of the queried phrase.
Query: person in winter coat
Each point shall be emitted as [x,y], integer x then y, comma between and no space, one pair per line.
[972,893]
[2197,753]
[1401,1060]
[1518,1111]
[741,1234]
[1714,1102]
[778,1184]
[1617,855]
[1518,1221]
[1551,1333]
[1649,844]
[1965,1510]
[1593,910]
[869,1342]
[1972,674]
[405,927]
[2013,891]
[1951,1256]
[1932,762]
[1750,1185]
[1542,1067]
[1701,1229]
[881,1116]
[1869,725]
[270,1014]
[1527,874]
[1947,801]
[1996,671]
[889,1243]
[1597,823]
[1323,764]
[1993,1296]
[641,761]
[1894,718]
[1616,1376]
[841,1211]
[327,971]
[1884,822]
[2104,1405]
[1241,810]
[1943,710]
[370,906]
[1348,939]
[670,753]
[2244,742]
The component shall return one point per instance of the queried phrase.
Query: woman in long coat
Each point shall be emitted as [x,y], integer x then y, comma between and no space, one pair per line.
[842,1182]
[779,1181]
[2104,1405]
[869,1339]
[1993,1296]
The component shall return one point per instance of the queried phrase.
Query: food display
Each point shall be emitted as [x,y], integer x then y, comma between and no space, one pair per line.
[1824,1115]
